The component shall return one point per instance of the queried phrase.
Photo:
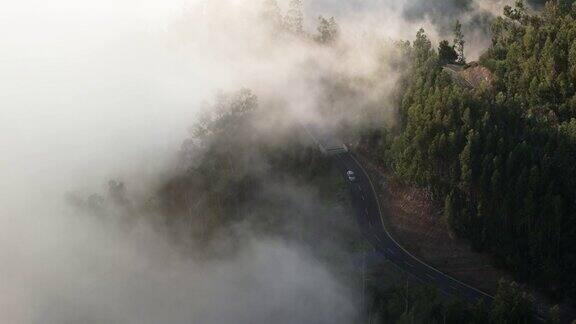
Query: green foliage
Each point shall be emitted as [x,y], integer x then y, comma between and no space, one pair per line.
[423,304]
[446,53]
[292,23]
[501,159]
[511,304]
[554,315]
[230,164]
[403,304]
[459,43]
[534,58]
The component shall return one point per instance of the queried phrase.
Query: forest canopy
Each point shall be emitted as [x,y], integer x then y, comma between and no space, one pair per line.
[501,158]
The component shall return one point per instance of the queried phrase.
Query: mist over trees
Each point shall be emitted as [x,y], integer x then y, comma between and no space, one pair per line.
[404,303]
[438,10]
[540,3]
[501,156]
[230,166]
[446,53]
[498,157]
[459,43]
[293,21]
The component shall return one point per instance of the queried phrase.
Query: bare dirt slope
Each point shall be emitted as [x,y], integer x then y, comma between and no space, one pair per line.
[477,75]
[416,222]
[472,76]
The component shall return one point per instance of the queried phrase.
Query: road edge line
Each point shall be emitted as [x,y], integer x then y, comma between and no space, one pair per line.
[398,244]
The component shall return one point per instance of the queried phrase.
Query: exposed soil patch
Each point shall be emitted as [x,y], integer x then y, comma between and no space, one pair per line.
[476,75]
[471,76]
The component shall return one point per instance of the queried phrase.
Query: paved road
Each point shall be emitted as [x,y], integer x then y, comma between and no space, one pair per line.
[372,225]
[371,221]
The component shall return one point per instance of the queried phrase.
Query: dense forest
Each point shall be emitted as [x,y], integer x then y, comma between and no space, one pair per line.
[499,156]
[423,304]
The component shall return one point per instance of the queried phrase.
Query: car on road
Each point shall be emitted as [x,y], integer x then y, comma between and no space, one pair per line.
[351,176]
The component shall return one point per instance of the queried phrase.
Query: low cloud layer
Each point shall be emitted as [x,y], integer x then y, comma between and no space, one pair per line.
[97,91]
[86,273]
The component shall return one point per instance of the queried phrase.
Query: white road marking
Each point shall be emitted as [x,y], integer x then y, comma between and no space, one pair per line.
[390,251]
[401,247]
[409,264]
[377,238]
[430,277]
[443,275]
[363,198]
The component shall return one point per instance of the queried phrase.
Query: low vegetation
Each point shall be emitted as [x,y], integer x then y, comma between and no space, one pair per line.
[423,304]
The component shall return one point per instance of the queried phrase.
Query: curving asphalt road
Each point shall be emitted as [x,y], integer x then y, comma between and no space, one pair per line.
[372,224]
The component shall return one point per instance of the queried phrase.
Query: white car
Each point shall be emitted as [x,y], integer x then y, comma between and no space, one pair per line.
[351,176]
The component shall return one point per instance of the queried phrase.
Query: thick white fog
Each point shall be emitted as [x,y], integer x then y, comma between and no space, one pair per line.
[96,90]
[93,90]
